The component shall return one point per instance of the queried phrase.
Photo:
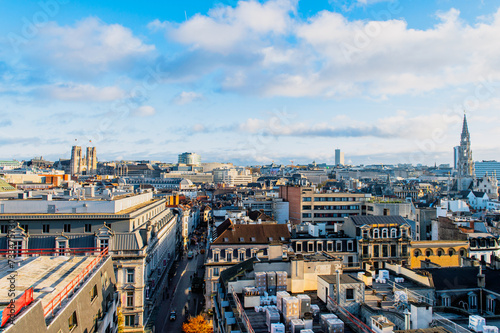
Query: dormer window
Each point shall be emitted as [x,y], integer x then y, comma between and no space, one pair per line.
[226,240]
[282,239]
[270,239]
[252,239]
[375,233]
[384,233]
[394,233]
[242,239]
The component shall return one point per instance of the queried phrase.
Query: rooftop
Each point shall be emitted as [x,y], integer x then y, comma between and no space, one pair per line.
[386,219]
[48,275]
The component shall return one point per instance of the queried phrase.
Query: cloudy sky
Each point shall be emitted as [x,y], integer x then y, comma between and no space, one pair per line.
[250,82]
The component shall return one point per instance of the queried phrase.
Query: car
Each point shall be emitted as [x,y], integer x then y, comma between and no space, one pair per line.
[173,315]
[190,255]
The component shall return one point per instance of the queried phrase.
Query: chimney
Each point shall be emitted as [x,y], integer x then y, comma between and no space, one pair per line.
[481,281]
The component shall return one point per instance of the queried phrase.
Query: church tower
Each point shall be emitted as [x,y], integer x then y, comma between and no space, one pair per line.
[465,167]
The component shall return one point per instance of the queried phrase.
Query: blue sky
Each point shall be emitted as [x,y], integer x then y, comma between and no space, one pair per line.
[250,82]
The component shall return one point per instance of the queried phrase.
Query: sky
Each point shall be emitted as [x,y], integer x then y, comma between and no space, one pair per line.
[250,82]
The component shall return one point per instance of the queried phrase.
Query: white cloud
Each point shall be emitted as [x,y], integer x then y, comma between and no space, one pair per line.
[268,50]
[144,111]
[187,97]
[89,47]
[225,28]
[82,92]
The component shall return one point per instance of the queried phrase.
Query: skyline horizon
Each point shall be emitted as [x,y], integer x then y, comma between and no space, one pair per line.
[252,81]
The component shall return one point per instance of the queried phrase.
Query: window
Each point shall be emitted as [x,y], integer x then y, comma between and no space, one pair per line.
[17,245]
[319,246]
[130,298]
[404,250]
[393,251]
[338,246]
[445,300]
[384,233]
[25,227]
[4,229]
[61,245]
[72,322]
[349,294]
[67,228]
[93,293]
[451,252]
[376,251]
[428,253]
[216,271]
[417,253]
[310,247]
[472,300]
[375,233]
[305,215]
[462,252]
[385,251]
[440,252]
[216,256]
[365,234]
[306,207]
[308,199]
[88,227]
[104,243]
[129,320]
[130,275]
[329,247]
[350,246]
[490,303]
[229,256]
[242,256]
[242,239]
[298,246]
[394,233]
[45,228]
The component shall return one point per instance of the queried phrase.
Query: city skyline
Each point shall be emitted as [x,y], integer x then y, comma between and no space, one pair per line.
[384,81]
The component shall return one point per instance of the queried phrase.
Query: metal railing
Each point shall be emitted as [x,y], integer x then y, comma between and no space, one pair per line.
[49,252]
[63,294]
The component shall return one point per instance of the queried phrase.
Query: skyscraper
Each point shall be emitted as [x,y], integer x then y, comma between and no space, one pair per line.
[339,157]
[465,167]
[190,159]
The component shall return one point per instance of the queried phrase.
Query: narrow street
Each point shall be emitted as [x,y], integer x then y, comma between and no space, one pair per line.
[182,297]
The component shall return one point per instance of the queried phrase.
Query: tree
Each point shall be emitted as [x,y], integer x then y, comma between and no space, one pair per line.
[121,320]
[198,324]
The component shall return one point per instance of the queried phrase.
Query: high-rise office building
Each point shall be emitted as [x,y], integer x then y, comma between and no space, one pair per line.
[190,159]
[490,168]
[339,157]
[456,154]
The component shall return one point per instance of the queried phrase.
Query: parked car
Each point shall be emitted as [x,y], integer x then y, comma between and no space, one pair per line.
[173,315]
[190,255]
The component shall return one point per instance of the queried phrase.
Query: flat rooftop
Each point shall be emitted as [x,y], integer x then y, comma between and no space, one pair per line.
[41,272]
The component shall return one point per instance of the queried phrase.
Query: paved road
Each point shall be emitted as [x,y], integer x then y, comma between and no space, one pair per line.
[181,299]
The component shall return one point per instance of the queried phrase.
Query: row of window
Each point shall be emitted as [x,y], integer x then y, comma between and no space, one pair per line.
[351,207]
[229,255]
[319,246]
[4,229]
[385,251]
[384,233]
[439,252]
[322,199]
[482,242]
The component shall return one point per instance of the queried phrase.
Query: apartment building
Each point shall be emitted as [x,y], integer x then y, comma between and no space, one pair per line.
[141,232]
[380,239]
[236,243]
[307,204]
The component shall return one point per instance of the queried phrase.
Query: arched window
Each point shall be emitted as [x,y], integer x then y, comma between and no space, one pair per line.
[394,233]
[385,233]
[417,253]
[440,252]
[451,252]
[463,252]
[429,253]
[375,233]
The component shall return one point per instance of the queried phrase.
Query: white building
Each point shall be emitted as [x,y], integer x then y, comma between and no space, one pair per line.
[232,176]
[189,159]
